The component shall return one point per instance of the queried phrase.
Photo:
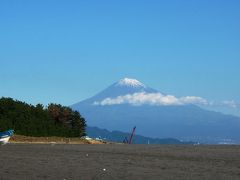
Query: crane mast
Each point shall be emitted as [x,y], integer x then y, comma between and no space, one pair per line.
[130,140]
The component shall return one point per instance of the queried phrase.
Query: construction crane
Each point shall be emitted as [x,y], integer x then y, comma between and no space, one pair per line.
[130,140]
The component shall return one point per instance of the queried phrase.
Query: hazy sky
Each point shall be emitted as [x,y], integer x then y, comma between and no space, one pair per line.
[66,51]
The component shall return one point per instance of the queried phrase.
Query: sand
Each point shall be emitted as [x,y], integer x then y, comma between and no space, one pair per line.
[116,161]
[52,140]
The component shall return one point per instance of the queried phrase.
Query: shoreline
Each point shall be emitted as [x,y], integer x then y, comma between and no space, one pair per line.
[19,139]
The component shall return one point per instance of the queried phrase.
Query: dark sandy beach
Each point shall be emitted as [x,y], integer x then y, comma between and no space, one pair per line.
[40,161]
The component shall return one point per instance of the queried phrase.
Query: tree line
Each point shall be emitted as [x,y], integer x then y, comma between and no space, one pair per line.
[29,120]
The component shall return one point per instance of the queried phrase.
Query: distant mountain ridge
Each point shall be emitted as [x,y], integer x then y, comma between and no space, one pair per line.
[129,103]
[118,136]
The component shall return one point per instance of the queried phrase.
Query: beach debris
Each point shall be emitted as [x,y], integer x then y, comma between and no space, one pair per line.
[87,138]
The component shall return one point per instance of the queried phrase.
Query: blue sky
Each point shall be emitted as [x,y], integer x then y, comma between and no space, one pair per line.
[66,51]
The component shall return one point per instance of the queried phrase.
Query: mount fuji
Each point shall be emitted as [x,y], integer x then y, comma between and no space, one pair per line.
[128,103]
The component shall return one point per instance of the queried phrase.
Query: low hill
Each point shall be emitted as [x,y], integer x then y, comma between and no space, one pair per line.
[117,136]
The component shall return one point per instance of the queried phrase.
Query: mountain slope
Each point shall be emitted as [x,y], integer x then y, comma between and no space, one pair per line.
[123,87]
[112,109]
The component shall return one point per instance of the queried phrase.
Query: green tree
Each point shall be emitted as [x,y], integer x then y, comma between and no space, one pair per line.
[55,120]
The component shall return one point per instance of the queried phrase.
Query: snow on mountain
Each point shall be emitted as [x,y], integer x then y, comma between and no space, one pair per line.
[130,82]
[134,92]
[121,88]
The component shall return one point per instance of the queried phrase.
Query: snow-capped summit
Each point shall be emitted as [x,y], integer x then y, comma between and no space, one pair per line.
[122,87]
[130,82]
